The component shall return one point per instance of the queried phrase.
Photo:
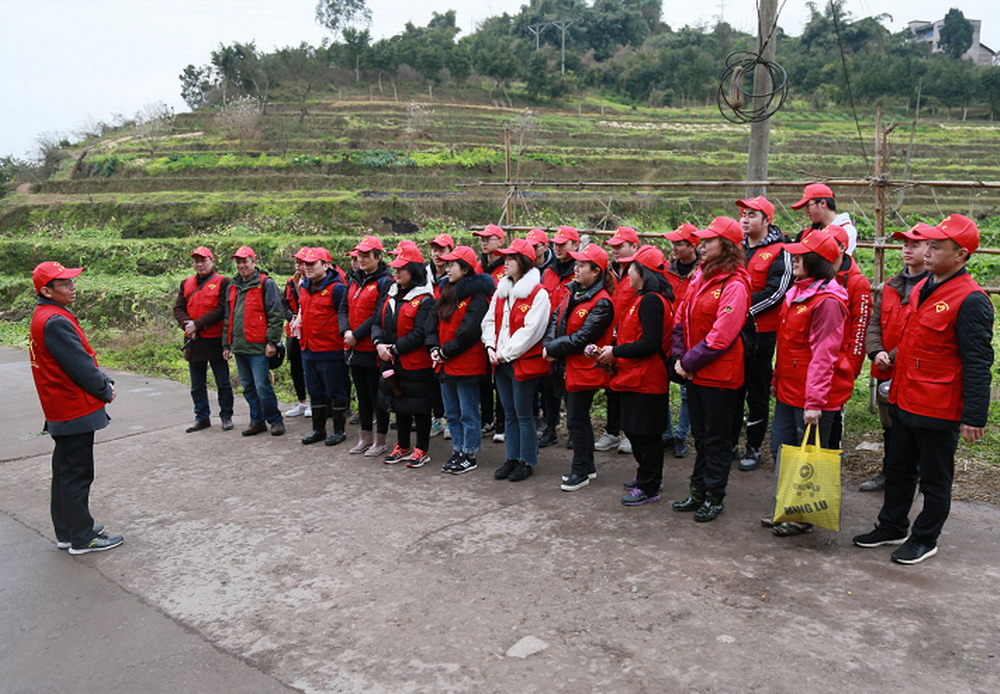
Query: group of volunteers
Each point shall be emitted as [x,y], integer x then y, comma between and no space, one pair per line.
[503,341]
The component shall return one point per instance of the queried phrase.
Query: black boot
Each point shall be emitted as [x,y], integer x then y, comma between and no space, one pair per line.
[709,510]
[692,503]
[339,424]
[319,425]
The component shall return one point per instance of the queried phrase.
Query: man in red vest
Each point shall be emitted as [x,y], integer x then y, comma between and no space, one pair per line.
[940,391]
[251,331]
[73,393]
[200,306]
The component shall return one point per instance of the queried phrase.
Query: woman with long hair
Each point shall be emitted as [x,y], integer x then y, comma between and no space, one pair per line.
[512,332]
[641,378]
[454,337]
[710,357]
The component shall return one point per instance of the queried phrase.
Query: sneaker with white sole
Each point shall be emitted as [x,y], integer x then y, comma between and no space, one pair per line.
[499,437]
[100,543]
[625,446]
[438,426]
[590,476]
[467,463]
[418,458]
[913,552]
[606,442]
[447,431]
[298,411]
[398,455]
[66,545]
[878,538]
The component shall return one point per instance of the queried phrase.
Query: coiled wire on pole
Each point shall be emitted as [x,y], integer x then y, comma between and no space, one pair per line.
[736,98]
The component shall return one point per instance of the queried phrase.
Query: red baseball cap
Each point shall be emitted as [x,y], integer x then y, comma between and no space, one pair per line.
[244,252]
[565,234]
[726,227]
[443,240]
[522,246]
[48,271]
[685,232]
[353,253]
[369,243]
[759,203]
[815,241]
[203,251]
[319,253]
[594,254]
[491,230]
[537,237]
[405,243]
[624,235]
[648,256]
[916,232]
[958,228]
[839,234]
[302,253]
[408,253]
[463,253]
[811,192]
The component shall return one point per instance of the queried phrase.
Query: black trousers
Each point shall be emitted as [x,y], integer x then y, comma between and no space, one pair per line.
[295,364]
[72,475]
[614,407]
[489,402]
[581,430]
[552,396]
[438,407]
[757,386]
[924,456]
[647,449]
[712,411]
[404,425]
[366,382]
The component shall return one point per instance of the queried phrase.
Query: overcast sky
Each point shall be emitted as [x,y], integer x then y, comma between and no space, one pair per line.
[69,62]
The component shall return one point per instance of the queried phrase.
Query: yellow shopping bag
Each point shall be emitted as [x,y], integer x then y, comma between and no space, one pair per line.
[807,485]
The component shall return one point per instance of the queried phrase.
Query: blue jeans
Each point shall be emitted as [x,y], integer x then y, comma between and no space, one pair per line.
[461,408]
[683,428]
[519,418]
[787,426]
[198,370]
[257,390]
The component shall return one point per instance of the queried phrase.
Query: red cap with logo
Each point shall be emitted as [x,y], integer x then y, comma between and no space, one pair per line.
[916,232]
[409,253]
[624,235]
[369,243]
[301,253]
[318,253]
[566,234]
[958,228]
[443,240]
[594,254]
[405,243]
[48,271]
[650,257]
[726,227]
[353,253]
[815,241]
[685,232]
[813,191]
[522,246]
[839,234]
[537,237]
[491,230]
[759,203]
[463,253]
[203,251]
[244,252]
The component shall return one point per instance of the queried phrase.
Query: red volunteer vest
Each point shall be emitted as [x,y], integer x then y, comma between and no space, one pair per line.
[794,355]
[582,372]
[892,318]
[497,274]
[61,398]
[556,286]
[649,374]
[698,316]
[758,268]
[361,303]
[928,371]
[623,295]
[292,297]
[254,316]
[320,331]
[471,362]
[201,301]
[531,364]
[679,285]
[406,318]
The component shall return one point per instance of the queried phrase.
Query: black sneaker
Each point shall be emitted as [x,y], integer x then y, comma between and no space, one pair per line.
[547,438]
[637,497]
[875,484]
[912,552]
[879,537]
[503,472]
[452,462]
[694,502]
[335,438]
[750,460]
[522,472]
[592,475]
[100,543]
[574,482]
[63,544]
[487,428]
[467,463]
[680,449]
[709,510]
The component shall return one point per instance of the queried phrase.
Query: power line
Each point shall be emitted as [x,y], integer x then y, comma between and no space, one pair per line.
[847,79]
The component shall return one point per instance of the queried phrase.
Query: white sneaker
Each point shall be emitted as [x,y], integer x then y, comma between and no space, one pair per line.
[447,431]
[309,410]
[437,426]
[606,442]
[625,446]
[299,410]
[499,438]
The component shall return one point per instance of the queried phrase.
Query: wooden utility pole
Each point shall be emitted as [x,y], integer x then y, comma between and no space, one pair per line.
[760,132]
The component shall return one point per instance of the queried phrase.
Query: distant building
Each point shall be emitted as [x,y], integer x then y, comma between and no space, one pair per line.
[930,32]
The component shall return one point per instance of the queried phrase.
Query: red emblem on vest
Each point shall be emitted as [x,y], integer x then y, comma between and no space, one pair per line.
[941,306]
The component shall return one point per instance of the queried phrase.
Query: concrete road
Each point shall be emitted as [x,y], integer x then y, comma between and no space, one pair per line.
[261,565]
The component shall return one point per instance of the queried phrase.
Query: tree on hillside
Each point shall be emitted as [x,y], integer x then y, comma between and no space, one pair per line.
[153,122]
[956,34]
[245,71]
[196,85]
[241,117]
[989,86]
[301,71]
[356,44]
[338,15]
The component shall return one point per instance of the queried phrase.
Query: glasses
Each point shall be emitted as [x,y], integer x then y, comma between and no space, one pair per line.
[57,284]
